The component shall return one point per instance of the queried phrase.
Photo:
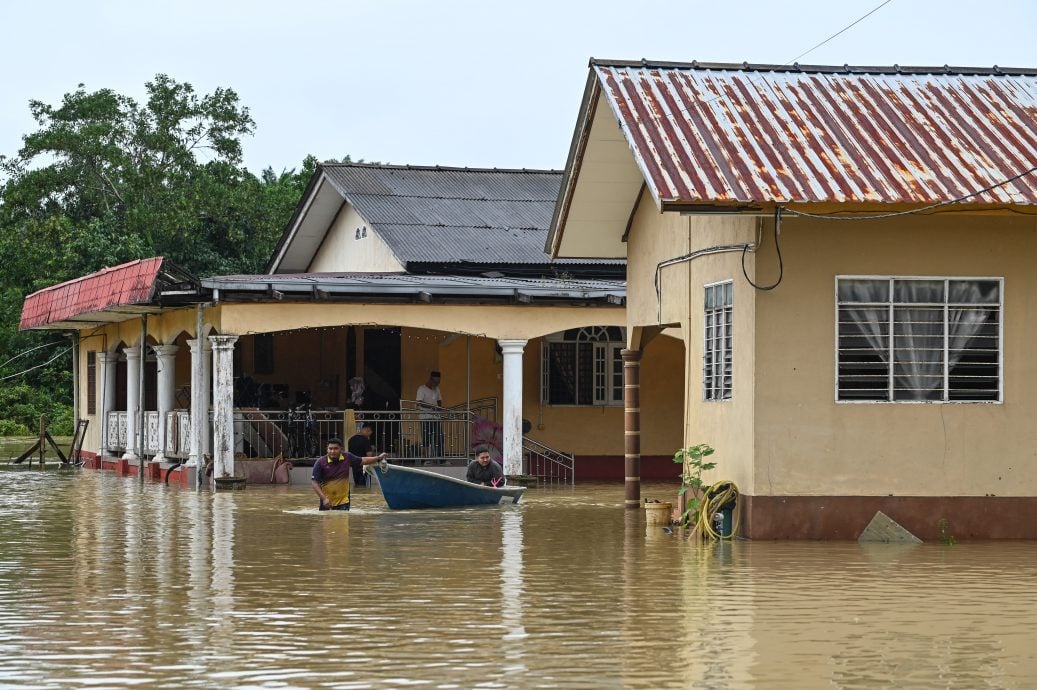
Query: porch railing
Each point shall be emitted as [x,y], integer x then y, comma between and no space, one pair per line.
[547,464]
[178,433]
[410,436]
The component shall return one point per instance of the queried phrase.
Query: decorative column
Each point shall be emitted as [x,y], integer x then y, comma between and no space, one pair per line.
[198,405]
[223,405]
[132,400]
[512,422]
[108,361]
[165,356]
[204,393]
[632,426]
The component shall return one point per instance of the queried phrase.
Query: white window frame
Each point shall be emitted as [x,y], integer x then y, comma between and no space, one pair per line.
[603,354]
[1000,339]
[719,353]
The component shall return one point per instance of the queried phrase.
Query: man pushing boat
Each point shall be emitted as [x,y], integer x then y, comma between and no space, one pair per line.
[332,475]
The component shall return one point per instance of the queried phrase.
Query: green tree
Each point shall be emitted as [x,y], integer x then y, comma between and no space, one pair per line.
[105,179]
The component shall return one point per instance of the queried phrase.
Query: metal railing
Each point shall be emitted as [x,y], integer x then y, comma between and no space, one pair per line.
[410,436]
[547,464]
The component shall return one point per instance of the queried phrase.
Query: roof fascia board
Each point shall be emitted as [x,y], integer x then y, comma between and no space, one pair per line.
[312,190]
[638,159]
[581,133]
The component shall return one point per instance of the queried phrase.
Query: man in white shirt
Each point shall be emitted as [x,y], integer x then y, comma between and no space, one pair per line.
[429,398]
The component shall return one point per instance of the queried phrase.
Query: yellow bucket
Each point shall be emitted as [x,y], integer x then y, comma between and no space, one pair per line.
[658,513]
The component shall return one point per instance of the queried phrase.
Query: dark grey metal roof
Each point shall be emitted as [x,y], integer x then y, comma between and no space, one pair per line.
[395,287]
[454,215]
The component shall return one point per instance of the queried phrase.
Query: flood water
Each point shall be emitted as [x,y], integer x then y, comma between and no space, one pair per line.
[108,583]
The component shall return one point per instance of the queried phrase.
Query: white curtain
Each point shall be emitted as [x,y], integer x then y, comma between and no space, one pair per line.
[918,331]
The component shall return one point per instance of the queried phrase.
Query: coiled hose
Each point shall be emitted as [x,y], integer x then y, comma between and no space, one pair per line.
[715,499]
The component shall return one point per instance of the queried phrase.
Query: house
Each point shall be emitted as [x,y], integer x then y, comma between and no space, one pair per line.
[847,255]
[384,274]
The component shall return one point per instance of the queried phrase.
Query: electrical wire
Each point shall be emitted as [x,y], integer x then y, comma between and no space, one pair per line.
[22,354]
[837,33]
[12,376]
[777,248]
[896,214]
[794,60]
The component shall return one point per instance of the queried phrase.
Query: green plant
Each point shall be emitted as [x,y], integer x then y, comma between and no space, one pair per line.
[945,534]
[693,461]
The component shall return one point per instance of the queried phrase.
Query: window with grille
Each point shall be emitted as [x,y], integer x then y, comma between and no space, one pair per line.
[918,339]
[583,366]
[91,383]
[717,351]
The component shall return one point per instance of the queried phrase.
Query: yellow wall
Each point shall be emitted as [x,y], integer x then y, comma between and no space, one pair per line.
[342,251]
[809,444]
[505,321]
[653,238]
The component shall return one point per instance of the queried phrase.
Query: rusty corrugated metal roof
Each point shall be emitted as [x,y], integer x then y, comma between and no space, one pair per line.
[128,284]
[860,135]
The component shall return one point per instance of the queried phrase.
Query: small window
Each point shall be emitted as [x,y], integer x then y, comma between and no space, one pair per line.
[717,351]
[583,366]
[918,339]
[91,383]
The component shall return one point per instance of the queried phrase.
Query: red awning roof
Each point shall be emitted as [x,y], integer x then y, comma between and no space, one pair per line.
[103,297]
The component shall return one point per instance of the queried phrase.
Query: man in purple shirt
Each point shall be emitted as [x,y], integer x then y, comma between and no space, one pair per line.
[332,475]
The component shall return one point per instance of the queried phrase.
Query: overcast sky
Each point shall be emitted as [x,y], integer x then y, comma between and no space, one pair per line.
[478,83]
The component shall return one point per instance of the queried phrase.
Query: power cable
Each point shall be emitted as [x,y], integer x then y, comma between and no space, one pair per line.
[794,61]
[777,248]
[20,373]
[22,354]
[823,216]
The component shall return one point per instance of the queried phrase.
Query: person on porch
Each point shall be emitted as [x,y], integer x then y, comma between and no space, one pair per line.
[360,444]
[485,471]
[332,475]
[429,398]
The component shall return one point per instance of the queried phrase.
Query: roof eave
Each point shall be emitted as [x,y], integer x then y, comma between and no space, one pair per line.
[570,175]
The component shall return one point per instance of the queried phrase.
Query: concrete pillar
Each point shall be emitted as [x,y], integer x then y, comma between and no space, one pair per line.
[199,406]
[165,356]
[632,427]
[512,422]
[133,400]
[223,405]
[108,361]
[204,396]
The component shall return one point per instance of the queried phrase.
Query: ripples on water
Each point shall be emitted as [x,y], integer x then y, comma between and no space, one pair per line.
[107,583]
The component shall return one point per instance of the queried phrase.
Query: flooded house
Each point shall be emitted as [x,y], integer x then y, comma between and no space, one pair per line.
[846,253]
[384,275]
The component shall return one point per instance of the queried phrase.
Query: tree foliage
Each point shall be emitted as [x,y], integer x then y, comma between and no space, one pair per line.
[105,179]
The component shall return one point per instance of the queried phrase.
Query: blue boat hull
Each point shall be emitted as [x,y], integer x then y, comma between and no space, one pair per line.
[409,487]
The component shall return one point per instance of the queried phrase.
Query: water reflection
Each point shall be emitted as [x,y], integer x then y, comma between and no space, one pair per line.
[108,583]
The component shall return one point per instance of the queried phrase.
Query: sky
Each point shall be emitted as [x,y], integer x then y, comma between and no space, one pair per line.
[479,84]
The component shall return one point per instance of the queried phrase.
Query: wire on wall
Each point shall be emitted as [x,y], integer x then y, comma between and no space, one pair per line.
[777,248]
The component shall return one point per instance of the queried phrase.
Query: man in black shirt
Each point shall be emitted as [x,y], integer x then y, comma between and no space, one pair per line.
[360,444]
[485,471]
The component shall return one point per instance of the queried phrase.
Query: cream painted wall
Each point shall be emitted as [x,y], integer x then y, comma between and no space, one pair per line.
[342,251]
[807,444]
[727,426]
[609,183]
[504,321]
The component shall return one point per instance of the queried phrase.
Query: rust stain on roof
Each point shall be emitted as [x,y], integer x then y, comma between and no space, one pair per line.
[739,134]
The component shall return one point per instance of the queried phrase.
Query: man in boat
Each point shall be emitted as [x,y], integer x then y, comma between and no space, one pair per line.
[332,478]
[485,471]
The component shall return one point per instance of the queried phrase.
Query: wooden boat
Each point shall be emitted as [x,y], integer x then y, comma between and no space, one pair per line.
[410,487]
